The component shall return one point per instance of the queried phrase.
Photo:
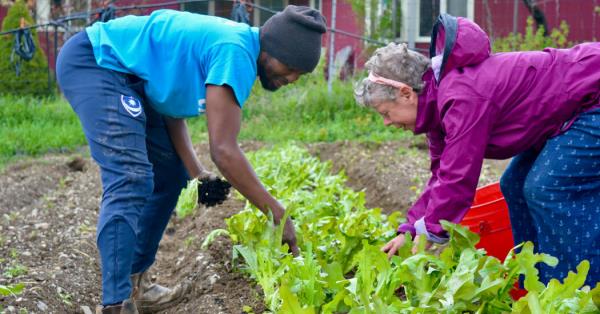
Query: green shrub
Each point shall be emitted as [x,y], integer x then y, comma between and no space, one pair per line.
[33,77]
[534,39]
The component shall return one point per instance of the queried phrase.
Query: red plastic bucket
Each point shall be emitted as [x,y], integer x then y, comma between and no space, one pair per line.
[488,217]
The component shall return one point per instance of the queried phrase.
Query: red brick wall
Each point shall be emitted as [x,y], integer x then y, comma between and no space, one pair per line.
[3,11]
[345,21]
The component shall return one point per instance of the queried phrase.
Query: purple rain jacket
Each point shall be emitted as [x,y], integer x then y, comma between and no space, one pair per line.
[493,106]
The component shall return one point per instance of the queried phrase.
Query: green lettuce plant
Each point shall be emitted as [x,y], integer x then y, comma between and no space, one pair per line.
[341,268]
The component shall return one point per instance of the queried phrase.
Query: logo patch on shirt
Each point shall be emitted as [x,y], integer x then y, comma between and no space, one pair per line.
[132,105]
[201,106]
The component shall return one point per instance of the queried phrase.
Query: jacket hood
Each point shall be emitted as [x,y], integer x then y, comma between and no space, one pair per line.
[468,45]
[467,42]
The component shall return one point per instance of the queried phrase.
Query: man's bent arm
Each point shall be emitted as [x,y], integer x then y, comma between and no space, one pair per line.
[224,121]
[178,132]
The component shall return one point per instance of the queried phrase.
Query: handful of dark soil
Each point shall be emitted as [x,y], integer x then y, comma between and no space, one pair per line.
[212,192]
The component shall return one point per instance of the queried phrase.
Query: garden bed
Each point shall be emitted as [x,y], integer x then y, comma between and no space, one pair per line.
[48,210]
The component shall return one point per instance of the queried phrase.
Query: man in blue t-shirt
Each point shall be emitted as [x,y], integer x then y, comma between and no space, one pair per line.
[132,81]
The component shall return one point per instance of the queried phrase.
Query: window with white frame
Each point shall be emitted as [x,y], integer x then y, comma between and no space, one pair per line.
[42,11]
[427,12]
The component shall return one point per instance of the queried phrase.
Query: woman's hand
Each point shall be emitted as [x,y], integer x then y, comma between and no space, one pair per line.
[396,243]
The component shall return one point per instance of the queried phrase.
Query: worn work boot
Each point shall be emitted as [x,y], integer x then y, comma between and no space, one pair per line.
[152,298]
[127,307]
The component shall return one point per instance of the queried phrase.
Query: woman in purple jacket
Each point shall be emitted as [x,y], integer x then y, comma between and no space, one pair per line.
[540,107]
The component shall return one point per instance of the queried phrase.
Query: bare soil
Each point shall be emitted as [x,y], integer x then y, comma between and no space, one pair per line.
[49,206]
[392,174]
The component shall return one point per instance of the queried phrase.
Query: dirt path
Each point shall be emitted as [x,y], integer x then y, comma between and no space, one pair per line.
[47,225]
[48,212]
[392,174]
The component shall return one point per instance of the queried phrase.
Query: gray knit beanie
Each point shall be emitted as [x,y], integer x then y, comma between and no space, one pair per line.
[293,37]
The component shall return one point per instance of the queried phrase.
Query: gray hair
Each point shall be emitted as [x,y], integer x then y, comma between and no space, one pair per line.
[394,62]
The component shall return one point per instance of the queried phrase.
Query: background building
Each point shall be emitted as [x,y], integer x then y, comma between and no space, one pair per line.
[497,17]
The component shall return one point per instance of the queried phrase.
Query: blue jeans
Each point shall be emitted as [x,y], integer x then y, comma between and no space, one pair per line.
[553,198]
[141,173]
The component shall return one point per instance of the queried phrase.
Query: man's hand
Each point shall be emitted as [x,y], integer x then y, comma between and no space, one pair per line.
[289,232]
[212,190]
[289,237]
[396,243]
[205,174]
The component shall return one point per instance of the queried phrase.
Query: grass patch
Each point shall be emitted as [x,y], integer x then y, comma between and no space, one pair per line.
[303,111]
[33,126]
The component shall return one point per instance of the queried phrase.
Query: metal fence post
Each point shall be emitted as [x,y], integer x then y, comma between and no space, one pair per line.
[48,60]
[411,28]
[515,16]
[394,11]
[331,68]
[55,48]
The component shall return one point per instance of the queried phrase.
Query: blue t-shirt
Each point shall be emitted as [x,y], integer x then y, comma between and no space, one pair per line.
[177,54]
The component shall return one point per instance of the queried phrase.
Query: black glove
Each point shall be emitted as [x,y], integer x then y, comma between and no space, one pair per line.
[213,191]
